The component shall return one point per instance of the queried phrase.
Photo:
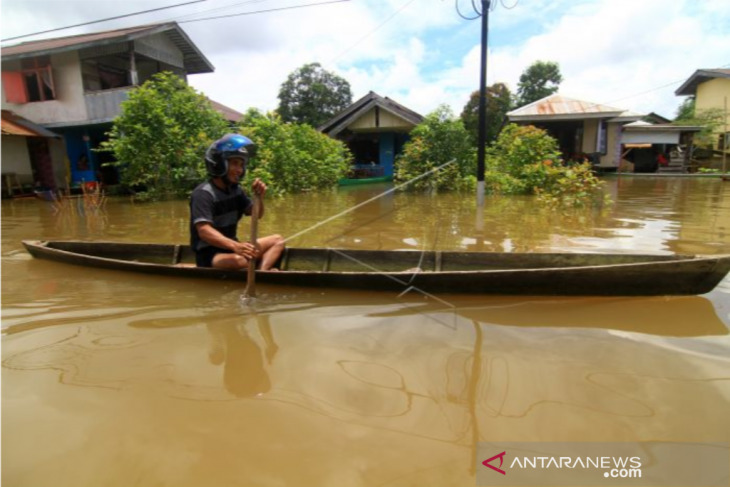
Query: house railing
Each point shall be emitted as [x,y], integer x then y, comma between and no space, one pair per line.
[364,171]
[105,105]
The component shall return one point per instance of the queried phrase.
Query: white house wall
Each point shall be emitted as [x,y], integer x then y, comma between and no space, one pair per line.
[590,131]
[386,121]
[650,137]
[69,105]
[613,146]
[15,158]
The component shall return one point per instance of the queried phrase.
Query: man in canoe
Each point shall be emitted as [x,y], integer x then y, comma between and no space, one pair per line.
[217,205]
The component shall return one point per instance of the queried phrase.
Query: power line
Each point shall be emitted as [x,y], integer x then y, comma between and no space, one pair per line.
[264,11]
[509,8]
[391,17]
[225,7]
[659,87]
[103,20]
[456,3]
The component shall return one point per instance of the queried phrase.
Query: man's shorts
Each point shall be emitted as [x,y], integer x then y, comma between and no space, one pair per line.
[204,257]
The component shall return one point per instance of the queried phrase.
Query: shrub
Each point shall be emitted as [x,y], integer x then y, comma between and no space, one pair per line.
[293,157]
[526,160]
[160,137]
[439,139]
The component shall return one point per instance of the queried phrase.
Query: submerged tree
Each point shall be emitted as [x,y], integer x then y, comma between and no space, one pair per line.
[710,119]
[313,95]
[439,139]
[686,110]
[499,102]
[293,157]
[160,137]
[540,79]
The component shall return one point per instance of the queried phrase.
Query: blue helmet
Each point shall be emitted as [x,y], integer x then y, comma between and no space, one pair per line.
[227,147]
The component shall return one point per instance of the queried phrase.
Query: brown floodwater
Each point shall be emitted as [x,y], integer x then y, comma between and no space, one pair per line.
[118,379]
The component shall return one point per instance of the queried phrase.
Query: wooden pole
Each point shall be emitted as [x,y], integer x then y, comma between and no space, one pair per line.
[724,144]
[251,278]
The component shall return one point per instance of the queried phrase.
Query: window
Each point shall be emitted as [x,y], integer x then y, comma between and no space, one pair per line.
[38,79]
[105,73]
[602,137]
[111,78]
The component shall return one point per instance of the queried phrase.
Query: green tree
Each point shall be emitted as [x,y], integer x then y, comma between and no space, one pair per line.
[499,102]
[439,139]
[710,119]
[526,160]
[313,95]
[539,80]
[293,157]
[686,110]
[160,137]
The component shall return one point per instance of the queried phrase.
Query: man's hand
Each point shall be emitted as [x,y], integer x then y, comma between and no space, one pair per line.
[258,187]
[245,249]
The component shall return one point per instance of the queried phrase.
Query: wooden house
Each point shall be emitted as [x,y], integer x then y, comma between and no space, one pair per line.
[375,128]
[604,135]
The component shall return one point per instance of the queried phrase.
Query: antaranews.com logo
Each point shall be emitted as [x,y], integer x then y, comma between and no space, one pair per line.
[626,464]
[619,464]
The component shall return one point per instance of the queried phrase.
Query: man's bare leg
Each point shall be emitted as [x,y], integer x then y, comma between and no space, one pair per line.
[271,248]
[229,261]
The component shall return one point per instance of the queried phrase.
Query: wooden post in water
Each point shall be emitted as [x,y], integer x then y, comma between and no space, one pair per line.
[251,278]
[724,144]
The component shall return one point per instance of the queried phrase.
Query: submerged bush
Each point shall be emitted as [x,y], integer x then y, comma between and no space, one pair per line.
[439,139]
[160,137]
[293,157]
[526,160]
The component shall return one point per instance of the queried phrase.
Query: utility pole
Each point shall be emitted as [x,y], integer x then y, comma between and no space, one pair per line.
[482,106]
[725,144]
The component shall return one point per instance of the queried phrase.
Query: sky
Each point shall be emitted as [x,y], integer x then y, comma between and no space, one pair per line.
[630,54]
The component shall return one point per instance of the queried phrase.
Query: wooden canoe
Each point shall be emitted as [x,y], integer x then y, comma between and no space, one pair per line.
[532,274]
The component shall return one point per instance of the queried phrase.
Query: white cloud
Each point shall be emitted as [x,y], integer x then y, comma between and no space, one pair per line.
[610,51]
[426,55]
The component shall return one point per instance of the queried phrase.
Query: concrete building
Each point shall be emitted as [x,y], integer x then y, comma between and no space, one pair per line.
[711,89]
[74,86]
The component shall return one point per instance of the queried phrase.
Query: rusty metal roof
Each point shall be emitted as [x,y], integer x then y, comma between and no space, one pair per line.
[13,124]
[229,113]
[195,61]
[558,107]
[689,87]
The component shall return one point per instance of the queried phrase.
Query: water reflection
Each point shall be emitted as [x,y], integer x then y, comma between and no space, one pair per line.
[167,381]
[244,361]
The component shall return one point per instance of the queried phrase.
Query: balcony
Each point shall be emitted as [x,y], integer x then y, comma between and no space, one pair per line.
[104,105]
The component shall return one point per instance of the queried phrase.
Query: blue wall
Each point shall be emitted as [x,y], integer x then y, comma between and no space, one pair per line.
[387,152]
[75,148]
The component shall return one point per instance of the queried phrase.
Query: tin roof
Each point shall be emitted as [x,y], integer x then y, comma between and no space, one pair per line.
[628,116]
[13,124]
[689,87]
[558,107]
[195,61]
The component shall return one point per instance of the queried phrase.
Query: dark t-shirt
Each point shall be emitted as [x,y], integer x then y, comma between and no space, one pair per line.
[222,209]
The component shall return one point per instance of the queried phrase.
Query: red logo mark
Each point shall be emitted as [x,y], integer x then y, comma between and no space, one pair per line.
[501,459]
